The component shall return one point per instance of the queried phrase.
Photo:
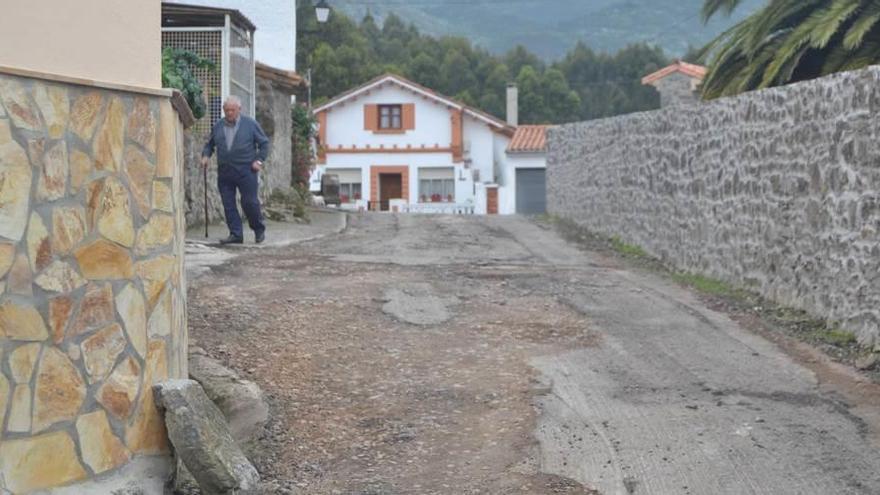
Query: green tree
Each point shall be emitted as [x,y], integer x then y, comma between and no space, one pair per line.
[561,103]
[532,109]
[789,41]
[423,69]
[585,84]
[457,73]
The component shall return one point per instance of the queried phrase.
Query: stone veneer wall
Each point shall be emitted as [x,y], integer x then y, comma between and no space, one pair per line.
[92,290]
[273,114]
[777,190]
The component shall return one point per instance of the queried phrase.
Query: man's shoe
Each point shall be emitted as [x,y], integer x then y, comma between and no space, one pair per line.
[259,237]
[232,240]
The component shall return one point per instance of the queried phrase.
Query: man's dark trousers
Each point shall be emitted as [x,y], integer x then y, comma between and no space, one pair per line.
[245,180]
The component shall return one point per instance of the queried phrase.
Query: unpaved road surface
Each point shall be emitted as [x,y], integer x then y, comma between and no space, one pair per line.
[469,355]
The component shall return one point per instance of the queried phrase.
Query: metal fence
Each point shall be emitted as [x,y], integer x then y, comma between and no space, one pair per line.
[232,52]
[241,69]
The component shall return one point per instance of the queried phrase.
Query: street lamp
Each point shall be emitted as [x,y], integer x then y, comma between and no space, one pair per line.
[323,11]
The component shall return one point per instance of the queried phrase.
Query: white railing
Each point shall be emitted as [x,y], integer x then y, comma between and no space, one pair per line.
[438,208]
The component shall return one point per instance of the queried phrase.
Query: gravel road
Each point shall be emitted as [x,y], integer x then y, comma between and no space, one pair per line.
[466,355]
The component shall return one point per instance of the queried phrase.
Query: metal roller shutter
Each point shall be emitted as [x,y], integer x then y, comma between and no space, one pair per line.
[531,191]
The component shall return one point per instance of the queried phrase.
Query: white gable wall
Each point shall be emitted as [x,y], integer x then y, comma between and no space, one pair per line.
[345,121]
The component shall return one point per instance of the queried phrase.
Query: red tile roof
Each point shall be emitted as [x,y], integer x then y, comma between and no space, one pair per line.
[695,71]
[529,139]
[288,80]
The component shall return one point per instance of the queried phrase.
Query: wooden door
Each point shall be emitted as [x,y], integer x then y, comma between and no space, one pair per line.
[492,200]
[390,187]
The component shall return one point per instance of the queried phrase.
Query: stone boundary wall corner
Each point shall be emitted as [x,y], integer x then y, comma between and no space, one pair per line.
[776,190]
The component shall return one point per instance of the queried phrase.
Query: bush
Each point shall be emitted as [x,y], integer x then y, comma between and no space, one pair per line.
[177,73]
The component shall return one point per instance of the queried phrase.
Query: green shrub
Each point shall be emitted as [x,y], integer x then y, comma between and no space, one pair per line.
[177,73]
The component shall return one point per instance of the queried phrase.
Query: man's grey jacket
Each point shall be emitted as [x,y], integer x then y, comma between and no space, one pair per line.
[250,143]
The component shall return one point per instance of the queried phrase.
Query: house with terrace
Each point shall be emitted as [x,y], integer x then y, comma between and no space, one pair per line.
[395,145]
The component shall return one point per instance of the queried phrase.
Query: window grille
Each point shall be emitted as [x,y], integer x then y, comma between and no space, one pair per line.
[207,43]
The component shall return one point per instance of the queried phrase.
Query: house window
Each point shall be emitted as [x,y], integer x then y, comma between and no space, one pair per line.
[349,192]
[436,185]
[390,117]
[349,183]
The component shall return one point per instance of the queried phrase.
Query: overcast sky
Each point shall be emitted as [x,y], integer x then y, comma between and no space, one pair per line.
[275,42]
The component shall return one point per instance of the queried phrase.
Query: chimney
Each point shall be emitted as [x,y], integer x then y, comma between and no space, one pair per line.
[512,105]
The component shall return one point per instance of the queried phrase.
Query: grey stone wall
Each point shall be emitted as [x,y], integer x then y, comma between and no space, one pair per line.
[675,89]
[273,114]
[194,194]
[777,190]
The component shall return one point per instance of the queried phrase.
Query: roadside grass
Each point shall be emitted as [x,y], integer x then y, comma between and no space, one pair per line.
[708,285]
[840,344]
[835,337]
[625,249]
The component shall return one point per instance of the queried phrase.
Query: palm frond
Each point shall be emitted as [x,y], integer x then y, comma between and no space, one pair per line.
[866,21]
[791,40]
[712,7]
[829,21]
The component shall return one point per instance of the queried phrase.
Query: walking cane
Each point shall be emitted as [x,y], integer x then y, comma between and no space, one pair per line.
[205,170]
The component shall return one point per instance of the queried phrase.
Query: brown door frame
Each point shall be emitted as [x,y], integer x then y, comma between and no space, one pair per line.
[376,170]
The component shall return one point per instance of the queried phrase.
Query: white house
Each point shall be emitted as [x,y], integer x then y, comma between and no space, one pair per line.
[396,145]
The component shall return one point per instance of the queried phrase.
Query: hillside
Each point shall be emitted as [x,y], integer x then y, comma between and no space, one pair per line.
[550,28]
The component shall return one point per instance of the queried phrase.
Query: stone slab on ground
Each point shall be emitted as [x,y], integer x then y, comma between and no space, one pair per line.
[417,304]
[201,438]
[322,223]
[204,252]
[240,401]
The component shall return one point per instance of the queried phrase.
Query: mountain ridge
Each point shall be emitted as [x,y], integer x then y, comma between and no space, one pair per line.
[550,29]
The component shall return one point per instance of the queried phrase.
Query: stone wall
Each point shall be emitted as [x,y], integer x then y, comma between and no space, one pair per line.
[273,114]
[194,179]
[92,290]
[777,190]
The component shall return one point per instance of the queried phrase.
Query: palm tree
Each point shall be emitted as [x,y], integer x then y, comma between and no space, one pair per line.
[789,41]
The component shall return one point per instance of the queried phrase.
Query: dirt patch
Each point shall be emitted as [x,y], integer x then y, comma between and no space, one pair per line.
[366,402]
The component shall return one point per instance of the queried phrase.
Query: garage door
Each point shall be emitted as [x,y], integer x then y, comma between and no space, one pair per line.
[531,191]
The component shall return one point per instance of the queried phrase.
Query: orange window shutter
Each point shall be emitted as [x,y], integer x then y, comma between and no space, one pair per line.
[371,117]
[409,116]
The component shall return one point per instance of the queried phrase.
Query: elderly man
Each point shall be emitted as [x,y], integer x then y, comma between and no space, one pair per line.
[242,147]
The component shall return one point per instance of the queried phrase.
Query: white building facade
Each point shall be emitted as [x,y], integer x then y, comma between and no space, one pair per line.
[398,146]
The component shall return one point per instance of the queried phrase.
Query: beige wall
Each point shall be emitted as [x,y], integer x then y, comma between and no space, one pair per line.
[116,41]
